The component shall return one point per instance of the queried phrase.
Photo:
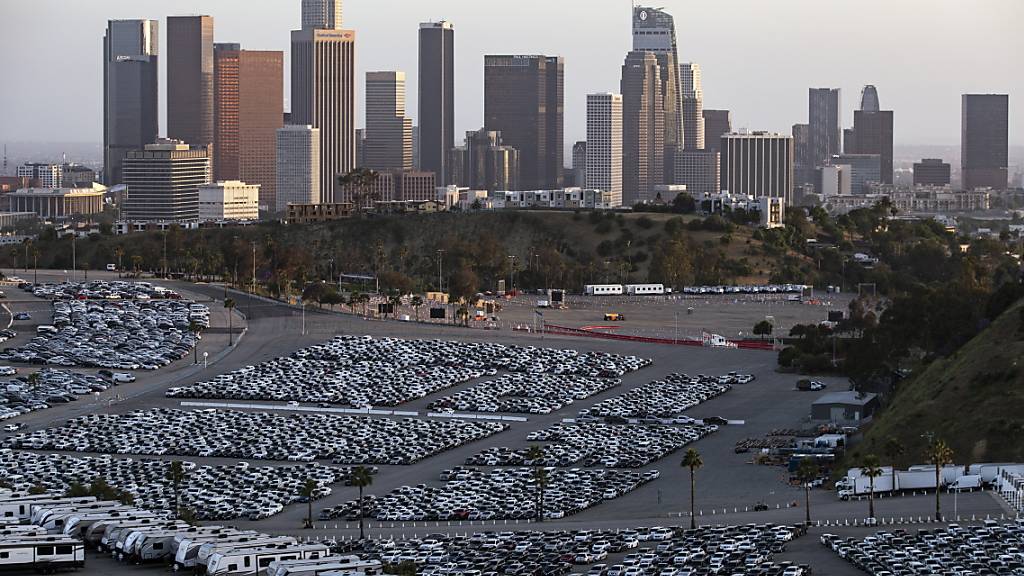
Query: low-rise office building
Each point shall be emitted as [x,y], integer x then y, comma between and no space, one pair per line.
[58,203]
[315,213]
[229,200]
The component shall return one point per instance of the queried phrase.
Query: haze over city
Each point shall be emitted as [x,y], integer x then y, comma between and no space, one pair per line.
[758,58]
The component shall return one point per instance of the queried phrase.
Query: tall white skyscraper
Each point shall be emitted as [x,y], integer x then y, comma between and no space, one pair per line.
[321,14]
[298,166]
[693,106]
[604,144]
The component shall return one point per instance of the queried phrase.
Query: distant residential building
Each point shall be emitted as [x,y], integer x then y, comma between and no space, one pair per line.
[579,163]
[318,213]
[565,198]
[436,80]
[699,171]
[388,133]
[77,176]
[836,180]
[758,164]
[298,166]
[604,162]
[865,169]
[130,92]
[524,100]
[486,163]
[58,203]
[163,181]
[931,172]
[643,128]
[984,141]
[42,175]
[190,111]
[398,186]
[716,124]
[873,134]
[823,117]
[693,107]
[248,105]
[934,199]
[229,200]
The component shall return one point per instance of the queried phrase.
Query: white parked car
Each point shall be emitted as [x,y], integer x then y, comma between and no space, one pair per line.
[8,370]
[123,377]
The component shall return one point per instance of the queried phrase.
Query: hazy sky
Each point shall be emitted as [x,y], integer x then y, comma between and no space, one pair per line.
[758,56]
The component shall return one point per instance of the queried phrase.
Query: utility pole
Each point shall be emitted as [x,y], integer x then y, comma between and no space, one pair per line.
[253,266]
[440,286]
[74,256]
[165,252]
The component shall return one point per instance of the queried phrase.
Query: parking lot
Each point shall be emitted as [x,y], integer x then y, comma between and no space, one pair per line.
[49,386]
[211,492]
[666,399]
[259,436]
[525,393]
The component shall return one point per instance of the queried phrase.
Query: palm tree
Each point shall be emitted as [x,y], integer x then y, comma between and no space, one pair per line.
[307,492]
[137,264]
[807,472]
[416,302]
[395,301]
[463,314]
[195,327]
[540,477]
[119,253]
[229,303]
[939,454]
[360,181]
[361,478]
[693,461]
[176,474]
[893,449]
[871,467]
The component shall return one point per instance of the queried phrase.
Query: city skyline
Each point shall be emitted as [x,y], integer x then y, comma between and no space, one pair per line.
[390,43]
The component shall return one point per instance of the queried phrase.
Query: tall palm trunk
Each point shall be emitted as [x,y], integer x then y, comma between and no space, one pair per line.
[693,519]
[938,490]
[807,503]
[871,497]
[362,512]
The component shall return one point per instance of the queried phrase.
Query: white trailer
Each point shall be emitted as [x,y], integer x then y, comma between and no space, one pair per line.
[42,555]
[186,546]
[116,534]
[603,289]
[916,479]
[8,532]
[41,514]
[645,289]
[20,507]
[163,544]
[327,564]
[966,482]
[210,548]
[255,561]
[93,535]
[862,485]
[77,525]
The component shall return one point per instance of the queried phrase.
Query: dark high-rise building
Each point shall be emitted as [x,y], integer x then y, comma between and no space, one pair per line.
[436,97]
[163,181]
[321,14]
[523,100]
[873,134]
[485,163]
[324,96]
[849,140]
[654,31]
[758,164]
[804,170]
[643,128]
[130,92]
[388,130]
[579,164]
[248,110]
[869,99]
[984,140]
[931,172]
[716,124]
[823,117]
[190,79]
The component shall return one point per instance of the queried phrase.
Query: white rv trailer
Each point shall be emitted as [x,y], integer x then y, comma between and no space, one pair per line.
[42,515]
[603,289]
[21,530]
[76,525]
[20,508]
[42,555]
[645,289]
[210,548]
[94,534]
[186,554]
[161,544]
[325,565]
[255,561]
[127,538]
[118,532]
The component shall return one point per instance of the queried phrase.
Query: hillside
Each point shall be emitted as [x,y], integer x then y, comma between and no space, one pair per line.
[974,400]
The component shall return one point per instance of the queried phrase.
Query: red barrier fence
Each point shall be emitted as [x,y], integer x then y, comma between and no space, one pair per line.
[567,331]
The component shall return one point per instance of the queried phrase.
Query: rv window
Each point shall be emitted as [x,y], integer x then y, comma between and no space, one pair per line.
[44,551]
[158,546]
[4,555]
[63,550]
[247,562]
[21,509]
[289,558]
[264,562]
[8,514]
[314,555]
[232,567]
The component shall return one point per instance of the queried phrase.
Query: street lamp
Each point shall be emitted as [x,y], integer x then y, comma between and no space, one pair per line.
[205,361]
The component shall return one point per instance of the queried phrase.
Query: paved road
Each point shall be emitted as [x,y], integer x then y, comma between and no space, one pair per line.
[727,480]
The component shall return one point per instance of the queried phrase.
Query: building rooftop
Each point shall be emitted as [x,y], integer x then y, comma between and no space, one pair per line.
[848,397]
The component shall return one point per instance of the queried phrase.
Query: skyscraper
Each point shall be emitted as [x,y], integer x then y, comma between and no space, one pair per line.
[825,136]
[716,123]
[579,163]
[298,166]
[323,96]
[873,134]
[321,14]
[388,129]
[758,164]
[485,163]
[248,110]
[190,79]
[436,97]
[654,31]
[163,181]
[130,92]
[869,99]
[984,143]
[931,172]
[693,106]
[604,145]
[804,169]
[643,128]
[523,99]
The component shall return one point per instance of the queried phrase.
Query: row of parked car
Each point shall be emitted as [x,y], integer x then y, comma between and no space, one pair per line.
[50,386]
[504,493]
[259,436]
[667,399]
[126,335]
[747,289]
[99,290]
[987,548]
[525,393]
[211,492]
[362,371]
[669,551]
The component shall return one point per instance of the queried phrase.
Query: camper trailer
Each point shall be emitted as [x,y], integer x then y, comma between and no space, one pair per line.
[42,555]
[255,561]
[325,565]
[210,548]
